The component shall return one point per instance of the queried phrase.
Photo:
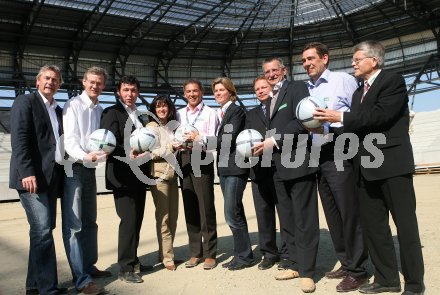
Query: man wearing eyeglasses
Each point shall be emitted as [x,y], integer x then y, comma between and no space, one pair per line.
[337,188]
[381,107]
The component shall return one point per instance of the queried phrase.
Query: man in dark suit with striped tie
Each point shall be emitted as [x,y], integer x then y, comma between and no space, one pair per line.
[380,110]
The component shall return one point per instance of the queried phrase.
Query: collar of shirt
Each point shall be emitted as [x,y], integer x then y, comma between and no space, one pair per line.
[278,87]
[196,109]
[52,105]
[324,78]
[224,107]
[127,108]
[372,78]
[87,101]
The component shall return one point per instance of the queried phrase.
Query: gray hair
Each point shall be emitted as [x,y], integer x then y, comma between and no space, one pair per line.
[372,49]
[52,68]
[96,71]
[271,59]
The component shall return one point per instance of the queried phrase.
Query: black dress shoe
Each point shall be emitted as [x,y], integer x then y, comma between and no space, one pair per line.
[266,263]
[412,293]
[284,264]
[336,274]
[36,292]
[130,277]
[226,264]
[351,283]
[138,268]
[236,265]
[375,288]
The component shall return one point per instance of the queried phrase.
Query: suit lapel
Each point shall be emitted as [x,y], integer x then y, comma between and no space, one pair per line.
[371,94]
[44,112]
[226,116]
[280,98]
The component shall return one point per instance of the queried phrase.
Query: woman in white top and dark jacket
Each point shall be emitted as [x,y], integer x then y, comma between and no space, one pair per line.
[233,179]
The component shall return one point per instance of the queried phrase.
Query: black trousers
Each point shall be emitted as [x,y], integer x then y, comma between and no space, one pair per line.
[265,202]
[199,207]
[298,212]
[340,202]
[130,206]
[396,196]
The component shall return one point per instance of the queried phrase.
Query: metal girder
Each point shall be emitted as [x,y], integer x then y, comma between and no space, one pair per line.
[426,16]
[291,38]
[394,29]
[230,54]
[173,38]
[432,65]
[130,42]
[344,21]
[88,25]
[26,28]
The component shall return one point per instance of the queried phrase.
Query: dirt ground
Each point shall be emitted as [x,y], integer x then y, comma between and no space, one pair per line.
[14,243]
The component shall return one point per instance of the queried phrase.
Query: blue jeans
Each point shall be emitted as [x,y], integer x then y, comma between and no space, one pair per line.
[80,231]
[232,189]
[42,266]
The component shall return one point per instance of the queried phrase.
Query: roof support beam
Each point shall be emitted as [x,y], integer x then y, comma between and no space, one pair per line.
[26,28]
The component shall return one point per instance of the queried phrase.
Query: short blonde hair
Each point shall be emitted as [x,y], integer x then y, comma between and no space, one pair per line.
[96,71]
[227,83]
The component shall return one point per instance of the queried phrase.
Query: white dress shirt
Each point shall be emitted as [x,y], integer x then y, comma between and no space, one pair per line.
[206,123]
[133,115]
[51,107]
[80,118]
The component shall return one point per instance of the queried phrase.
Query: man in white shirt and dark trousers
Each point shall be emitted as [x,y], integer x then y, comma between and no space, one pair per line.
[81,116]
[198,191]
[337,189]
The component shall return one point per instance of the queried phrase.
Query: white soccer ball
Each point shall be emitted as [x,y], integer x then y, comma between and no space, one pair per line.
[101,140]
[180,133]
[245,140]
[143,139]
[305,109]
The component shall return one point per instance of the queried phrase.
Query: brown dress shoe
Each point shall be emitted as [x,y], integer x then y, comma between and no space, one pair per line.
[92,288]
[192,262]
[210,263]
[171,267]
[307,285]
[287,274]
[336,274]
[350,283]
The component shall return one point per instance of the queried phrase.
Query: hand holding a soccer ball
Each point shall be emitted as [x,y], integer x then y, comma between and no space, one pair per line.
[331,116]
[259,147]
[95,156]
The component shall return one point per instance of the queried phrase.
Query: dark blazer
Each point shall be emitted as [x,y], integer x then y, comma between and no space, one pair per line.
[384,110]
[255,119]
[235,116]
[118,174]
[33,143]
[285,123]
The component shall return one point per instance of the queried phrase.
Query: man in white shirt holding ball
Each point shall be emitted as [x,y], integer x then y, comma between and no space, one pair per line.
[81,116]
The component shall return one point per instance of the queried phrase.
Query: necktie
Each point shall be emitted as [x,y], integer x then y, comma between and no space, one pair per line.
[263,108]
[366,87]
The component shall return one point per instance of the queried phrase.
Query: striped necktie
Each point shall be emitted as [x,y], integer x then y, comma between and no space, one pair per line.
[366,87]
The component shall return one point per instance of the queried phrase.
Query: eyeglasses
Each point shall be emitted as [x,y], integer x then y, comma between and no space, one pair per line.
[358,60]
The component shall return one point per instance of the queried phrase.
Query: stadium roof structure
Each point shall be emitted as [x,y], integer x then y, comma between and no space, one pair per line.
[166,42]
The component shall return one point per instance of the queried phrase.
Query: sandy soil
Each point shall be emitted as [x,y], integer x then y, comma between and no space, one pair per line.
[14,252]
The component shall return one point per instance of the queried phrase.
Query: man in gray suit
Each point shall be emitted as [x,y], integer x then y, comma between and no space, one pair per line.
[37,176]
